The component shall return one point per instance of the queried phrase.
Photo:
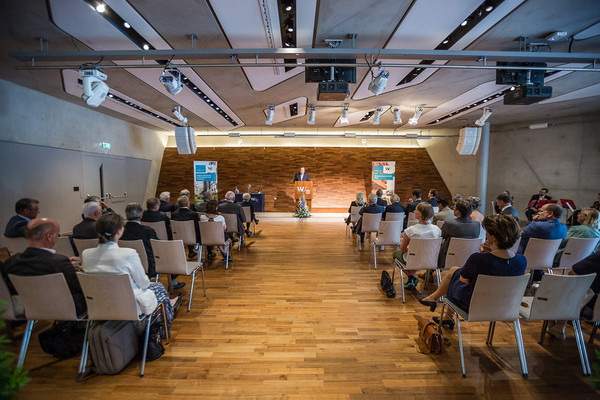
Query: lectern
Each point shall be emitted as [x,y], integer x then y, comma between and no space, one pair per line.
[304,188]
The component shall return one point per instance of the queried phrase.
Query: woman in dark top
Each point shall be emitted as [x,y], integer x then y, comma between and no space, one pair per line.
[359,202]
[502,232]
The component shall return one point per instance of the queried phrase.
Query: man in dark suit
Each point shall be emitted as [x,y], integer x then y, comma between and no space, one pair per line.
[395,207]
[532,205]
[153,215]
[39,259]
[380,201]
[134,231]
[432,197]
[371,208]
[165,206]
[505,206]
[206,197]
[26,209]
[246,197]
[411,206]
[86,229]
[229,207]
[186,192]
[460,227]
[301,176]
[184,213]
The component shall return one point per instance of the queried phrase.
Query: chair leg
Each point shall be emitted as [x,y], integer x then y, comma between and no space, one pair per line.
[375,254]
[227,256]
[164,317]
[543,332]
[25,343]
[192,289]
[460,345]
[585,364]
[490,335]
[84,351]
[202,272]
[241,237]
[594,329]
[519,338]
[148,318]
[402,284]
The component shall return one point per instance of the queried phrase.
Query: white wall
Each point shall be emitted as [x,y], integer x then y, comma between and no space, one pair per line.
[42,144]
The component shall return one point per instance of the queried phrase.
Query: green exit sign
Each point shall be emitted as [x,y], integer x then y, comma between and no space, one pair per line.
[105,145]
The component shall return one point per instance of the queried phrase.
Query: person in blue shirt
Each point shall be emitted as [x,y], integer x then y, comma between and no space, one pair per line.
[546,225]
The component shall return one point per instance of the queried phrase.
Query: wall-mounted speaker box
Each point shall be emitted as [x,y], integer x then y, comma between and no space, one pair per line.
[185,140]
[468,141]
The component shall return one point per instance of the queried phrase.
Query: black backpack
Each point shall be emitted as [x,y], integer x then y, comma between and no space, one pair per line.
[386,285]
[64,339]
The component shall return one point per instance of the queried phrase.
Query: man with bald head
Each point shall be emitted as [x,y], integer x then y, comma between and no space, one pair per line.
[41,259]
[86,229]
[229,207]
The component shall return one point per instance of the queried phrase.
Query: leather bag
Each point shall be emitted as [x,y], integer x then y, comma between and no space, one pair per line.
[431,340]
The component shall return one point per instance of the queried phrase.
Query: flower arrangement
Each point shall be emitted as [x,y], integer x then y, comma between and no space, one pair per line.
[302,211]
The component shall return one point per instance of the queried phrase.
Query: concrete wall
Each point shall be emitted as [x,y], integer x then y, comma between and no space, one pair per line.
[44,142]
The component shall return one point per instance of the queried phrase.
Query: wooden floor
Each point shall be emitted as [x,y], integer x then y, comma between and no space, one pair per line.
[299,315]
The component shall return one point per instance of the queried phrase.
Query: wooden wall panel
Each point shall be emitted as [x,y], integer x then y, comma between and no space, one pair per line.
[337,173]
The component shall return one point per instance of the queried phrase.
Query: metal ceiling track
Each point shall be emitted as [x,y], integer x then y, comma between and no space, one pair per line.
[479,58]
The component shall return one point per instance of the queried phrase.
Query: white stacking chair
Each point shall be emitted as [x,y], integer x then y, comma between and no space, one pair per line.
[436,209]
[354,217]
[45,297]
[169,257]
[168,214]
[6,312]
[15,245]
[248,215]
[390,233]
[540,253]
[231,221]
[370,223]
[560,297]
[138,246]
[84,244]
[576,250]
[159,227]
[595,319]
[514,248]
[63,246]
[421,254]
[111,298]
[440,224]
[394,216]
[459,251]
[211,233]
[411,217]
[186,231]
[495,298]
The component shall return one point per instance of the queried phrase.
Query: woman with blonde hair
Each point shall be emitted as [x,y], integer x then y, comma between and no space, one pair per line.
[589,228]
[359,202]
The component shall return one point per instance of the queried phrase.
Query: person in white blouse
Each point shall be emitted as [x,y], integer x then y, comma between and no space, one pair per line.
[212,214]
[109,258]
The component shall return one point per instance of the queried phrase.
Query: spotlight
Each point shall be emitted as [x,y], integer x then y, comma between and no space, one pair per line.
[146,47]
[270,115]
[171,82]
[94,89]
[101,7]
[397,119]
[464,23]
[415,118]
[344,117]
[486,114]
[126,25]
[313,114]
[377,84]
[177,112]
[377,115]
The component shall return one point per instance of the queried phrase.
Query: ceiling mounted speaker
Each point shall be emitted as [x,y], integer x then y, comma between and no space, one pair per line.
[185,140]
[468,141]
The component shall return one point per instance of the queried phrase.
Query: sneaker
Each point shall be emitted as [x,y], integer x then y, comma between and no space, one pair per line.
[412,282]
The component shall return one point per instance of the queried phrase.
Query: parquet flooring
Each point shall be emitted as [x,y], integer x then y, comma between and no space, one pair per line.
[299,315]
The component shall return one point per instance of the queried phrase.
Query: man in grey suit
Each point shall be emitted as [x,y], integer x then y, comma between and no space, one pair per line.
[229,207]
[505,206]
[461,227]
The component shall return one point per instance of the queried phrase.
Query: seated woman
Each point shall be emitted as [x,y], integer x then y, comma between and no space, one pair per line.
[423,230]
[109,258]
[359,202]
[458,284]
[246,197]
[588,228]
[476,215]
[212,214]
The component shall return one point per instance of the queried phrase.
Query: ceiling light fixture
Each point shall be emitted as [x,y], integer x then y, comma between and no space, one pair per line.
[486,114]
[464,23]
[489,8]
[171,82]
[270,115]
[126,25]
[177,113]
[539,126]
[101,7]
[146,47]
[378,82]
[415,118]
[397,119]
[377,115]
[313,114]
[344,117]
[94,89]
[556,36]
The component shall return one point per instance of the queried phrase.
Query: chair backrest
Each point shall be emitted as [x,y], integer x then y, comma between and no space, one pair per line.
[247,213]
[109,297]
[423,253]
[370,222]
[412,222]
[394,216]
[15,245]
[231,221]
[184,230]
[63,246]
[497,298]
[390,233]
[540,252]
[436,209]
[138,246]
[169,256]
[514,248]
[560,297]
[45,297]
[459,251]
[8,310]
[200,213]
[440,224]
[354,215]
[411,217]
[168,214]
[212,234]
[84,244]
[159,227]
[576,250]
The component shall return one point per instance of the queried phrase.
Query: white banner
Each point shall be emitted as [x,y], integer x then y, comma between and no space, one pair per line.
[383,177]
[205,178]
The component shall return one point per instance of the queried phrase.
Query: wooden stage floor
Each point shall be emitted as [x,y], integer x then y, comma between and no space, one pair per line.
[299,315]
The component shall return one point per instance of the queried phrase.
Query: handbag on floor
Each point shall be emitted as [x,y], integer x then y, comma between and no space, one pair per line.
[430,338]
[64,339]
[113,344]
[386,285]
